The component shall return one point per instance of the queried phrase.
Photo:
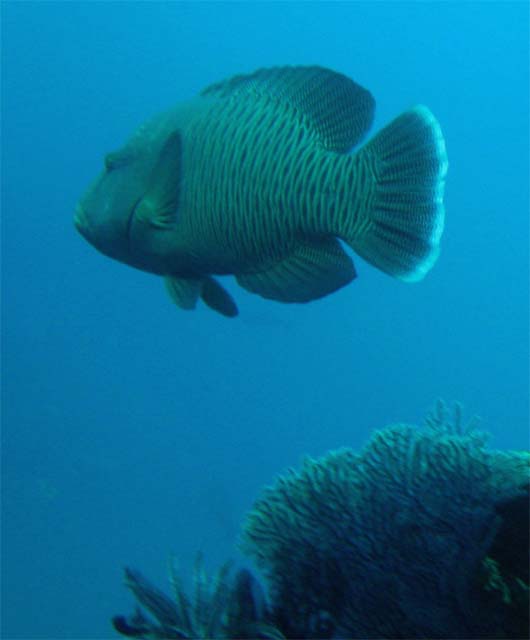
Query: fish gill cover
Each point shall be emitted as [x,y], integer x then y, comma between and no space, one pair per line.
[423,533]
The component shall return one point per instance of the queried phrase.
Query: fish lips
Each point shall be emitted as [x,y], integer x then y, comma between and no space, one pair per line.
[110,239]
[122,241]
[80,220]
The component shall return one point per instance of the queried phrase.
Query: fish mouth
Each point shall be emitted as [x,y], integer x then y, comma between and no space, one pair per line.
[80,219]
[130,221]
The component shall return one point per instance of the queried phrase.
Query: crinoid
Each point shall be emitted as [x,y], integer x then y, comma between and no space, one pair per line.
[225,605]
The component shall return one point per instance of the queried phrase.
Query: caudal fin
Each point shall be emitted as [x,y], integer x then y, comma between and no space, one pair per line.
[401,220]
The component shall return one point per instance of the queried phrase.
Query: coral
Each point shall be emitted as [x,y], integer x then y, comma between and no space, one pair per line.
[391,542]
[423,534]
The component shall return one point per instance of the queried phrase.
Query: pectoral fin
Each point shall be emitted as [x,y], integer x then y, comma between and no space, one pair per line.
[159,204]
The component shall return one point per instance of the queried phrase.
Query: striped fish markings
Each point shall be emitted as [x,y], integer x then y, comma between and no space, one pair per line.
[254,177]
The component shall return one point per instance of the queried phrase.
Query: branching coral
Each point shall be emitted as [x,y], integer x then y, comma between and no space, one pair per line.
[390,542]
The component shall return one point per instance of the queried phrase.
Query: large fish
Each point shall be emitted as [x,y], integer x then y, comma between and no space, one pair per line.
[254,177]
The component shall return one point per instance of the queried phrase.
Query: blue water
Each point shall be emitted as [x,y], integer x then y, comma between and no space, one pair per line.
[132,429]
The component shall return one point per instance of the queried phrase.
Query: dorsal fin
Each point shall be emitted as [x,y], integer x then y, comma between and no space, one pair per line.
[337,109]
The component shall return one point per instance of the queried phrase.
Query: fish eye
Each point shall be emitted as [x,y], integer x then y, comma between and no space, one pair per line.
[110,161]
[117,159]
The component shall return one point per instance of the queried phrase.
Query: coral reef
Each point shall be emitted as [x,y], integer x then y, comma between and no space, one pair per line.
[424,533]
[391,542]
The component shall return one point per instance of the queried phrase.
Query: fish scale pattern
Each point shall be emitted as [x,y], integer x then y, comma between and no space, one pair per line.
[250,189]
[229,170]
[315,94]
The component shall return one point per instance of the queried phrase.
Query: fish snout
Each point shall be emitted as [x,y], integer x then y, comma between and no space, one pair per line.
[80,220]
[79,217]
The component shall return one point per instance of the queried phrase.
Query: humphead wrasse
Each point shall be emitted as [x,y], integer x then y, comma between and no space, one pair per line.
[255,177]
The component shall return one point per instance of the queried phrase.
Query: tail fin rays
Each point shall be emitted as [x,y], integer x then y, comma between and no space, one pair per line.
[403,217]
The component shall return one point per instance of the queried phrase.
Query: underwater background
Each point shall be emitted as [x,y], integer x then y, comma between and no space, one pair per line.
[133,430]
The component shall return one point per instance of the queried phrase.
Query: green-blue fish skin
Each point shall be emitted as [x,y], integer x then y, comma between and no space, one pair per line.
[256,177]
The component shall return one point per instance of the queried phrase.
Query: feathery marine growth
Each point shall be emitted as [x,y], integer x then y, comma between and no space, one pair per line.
[224,605]
[254,178]
[422,534]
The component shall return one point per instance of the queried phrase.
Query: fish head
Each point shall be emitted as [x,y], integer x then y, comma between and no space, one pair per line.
[105,213]
[132,204]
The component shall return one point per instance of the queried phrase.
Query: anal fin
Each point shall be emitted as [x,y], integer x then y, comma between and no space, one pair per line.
[317,267]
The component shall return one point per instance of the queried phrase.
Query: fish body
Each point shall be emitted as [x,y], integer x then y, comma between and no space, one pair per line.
[255,177]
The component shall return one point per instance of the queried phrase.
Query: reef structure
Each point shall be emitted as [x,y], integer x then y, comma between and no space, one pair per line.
[422,534]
